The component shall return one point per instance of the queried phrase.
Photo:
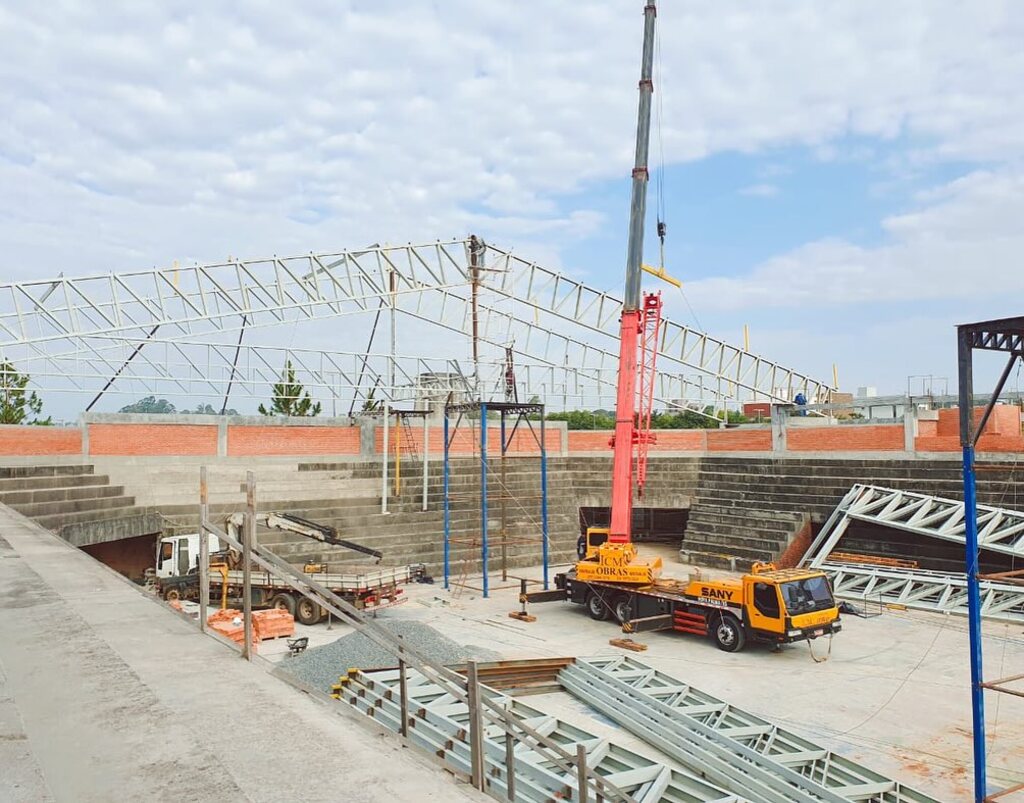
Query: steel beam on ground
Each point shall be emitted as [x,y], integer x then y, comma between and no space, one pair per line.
[754,757]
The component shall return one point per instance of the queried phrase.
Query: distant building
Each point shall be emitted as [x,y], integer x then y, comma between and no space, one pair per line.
[867,392]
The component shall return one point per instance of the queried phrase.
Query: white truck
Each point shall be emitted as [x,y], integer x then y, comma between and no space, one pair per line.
[176,574]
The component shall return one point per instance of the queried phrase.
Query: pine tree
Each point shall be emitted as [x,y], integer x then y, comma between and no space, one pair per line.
[15,404]
[290,398]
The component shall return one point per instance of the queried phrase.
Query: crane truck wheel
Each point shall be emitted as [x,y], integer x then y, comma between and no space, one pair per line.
[172,594]
[622,608]
[283,602]
[727,633]
[596,607]
[307,611]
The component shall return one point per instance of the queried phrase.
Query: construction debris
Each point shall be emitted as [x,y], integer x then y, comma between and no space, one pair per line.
[628,644]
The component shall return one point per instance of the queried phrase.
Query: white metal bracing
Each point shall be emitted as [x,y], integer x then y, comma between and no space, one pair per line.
[746,753]
[554,323]
[941,592]
[999,529]
[439,723]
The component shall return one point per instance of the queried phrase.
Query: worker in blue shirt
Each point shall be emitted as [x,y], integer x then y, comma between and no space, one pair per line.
[801,402]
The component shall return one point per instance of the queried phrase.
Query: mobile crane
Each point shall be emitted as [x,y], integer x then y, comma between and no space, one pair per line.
[769,604]
[176,574]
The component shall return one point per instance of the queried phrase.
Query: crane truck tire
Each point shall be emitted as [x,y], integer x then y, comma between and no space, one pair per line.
[307,612]
[727,633]
[172,594]
[596,607]
[622,608]
[283,602]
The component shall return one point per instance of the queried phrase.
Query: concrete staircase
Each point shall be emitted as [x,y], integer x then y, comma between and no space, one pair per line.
[751,508]
[69,499]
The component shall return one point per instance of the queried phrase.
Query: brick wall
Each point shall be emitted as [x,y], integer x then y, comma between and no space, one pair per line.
[291,440]
[152,439]
[739,440]
[1005,420]
[850,438]
[32,440]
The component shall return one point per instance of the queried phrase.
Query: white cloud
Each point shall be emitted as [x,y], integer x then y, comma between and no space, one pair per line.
[964,242]
[760,190]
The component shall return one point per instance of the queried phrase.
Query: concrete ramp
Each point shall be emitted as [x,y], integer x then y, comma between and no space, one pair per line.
[107,695]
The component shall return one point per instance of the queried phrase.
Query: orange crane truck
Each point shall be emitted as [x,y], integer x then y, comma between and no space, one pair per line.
[769,604]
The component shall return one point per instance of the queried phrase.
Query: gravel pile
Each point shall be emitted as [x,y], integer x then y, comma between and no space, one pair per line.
[320,666]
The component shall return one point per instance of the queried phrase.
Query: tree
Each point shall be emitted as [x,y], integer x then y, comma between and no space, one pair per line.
[290,398]
[150,404]
[15,405]
[208,409]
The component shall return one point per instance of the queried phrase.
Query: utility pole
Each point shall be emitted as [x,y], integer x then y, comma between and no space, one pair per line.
[476,247]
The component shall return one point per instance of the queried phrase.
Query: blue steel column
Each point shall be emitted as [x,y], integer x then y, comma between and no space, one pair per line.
[974,620]
[483,493]
[447,504]
[544,500]
[965,365]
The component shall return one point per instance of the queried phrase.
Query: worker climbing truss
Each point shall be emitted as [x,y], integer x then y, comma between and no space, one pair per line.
[176,330]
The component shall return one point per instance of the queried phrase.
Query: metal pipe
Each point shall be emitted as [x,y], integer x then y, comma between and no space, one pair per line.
[543,500]
[504,504]
[476,729]
[204,549]
[384,460]
[447,505]
[249,534]
[483,497]
[403,690]
[994,400]
[426,455]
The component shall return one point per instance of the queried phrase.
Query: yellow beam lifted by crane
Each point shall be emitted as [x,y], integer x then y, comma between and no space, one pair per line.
[660,273]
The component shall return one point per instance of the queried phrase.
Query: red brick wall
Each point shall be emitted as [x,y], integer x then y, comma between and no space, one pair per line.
[739,440]
[680,440]
[852,438]
[32,440]
[152,439]
[466,440]
[1005,420]
[586,440]
[287,440]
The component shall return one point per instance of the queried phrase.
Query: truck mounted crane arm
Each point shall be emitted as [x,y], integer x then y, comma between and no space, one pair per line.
[288,522]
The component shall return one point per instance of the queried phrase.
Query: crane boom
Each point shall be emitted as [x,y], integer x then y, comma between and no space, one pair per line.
[288,522]
[633,314]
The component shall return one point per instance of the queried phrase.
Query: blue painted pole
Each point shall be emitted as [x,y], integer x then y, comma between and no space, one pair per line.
[974,622]
[483,493]
[447,506]
[544,501]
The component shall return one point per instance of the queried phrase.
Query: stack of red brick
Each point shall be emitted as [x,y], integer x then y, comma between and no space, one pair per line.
[272,623]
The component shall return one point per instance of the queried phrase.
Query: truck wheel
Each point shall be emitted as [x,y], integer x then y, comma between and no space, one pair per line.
[596,607]
[307,612]
[172,594]
[622,608]
[283,602]
[728,633]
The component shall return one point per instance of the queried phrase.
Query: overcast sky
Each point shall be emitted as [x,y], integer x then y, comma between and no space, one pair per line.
[846,177]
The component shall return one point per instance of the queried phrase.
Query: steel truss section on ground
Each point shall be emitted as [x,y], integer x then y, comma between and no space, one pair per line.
[529,416]
[440,724]
[999,529]
[940,592]
[550,319]
[745,753]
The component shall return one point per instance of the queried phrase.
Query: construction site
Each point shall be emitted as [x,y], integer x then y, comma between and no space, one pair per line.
[438,589]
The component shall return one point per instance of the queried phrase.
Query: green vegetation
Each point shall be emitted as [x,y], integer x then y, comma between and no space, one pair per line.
[684,419]
[17,406]
[151,404]
[290,397]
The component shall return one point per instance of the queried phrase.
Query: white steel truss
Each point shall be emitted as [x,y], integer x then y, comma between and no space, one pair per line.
[747,754]
[999,529]
[440,724]
[552,321]
[940,592]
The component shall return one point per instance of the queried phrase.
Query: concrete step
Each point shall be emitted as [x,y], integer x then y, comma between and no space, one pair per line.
[726,541]
[13,472]
[59,494]
[721,560]
[47,510]
[55,522]
[54,481]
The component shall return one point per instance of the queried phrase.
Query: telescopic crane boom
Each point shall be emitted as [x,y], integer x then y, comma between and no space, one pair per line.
[610,553]
[288,522]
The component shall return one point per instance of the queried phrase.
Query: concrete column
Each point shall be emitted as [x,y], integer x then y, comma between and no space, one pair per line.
[367,437]
[909,427]
[84,426]
[779,419]
[222,438]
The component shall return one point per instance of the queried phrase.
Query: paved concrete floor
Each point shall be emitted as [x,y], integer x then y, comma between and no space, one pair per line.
[107,695]
[893,694]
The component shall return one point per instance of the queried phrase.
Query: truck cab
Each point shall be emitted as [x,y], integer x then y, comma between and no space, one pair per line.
[784,605]
[178,555]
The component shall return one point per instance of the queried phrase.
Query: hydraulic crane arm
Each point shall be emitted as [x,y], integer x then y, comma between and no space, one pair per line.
[288,522]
